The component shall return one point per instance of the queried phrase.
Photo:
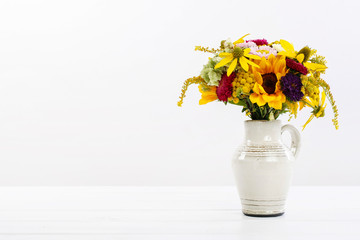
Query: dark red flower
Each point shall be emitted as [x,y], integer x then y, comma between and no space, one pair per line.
[224,90]
[290,63]
[259,42]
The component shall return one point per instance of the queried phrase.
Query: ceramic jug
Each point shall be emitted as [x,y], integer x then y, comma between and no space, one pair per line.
[263,167]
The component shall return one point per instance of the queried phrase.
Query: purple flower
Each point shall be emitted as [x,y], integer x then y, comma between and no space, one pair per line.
[291,87]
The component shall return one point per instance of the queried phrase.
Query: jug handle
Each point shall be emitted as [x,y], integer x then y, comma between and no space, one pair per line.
[295,138]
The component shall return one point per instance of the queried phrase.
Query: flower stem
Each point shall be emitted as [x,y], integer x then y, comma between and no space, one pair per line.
[308,104]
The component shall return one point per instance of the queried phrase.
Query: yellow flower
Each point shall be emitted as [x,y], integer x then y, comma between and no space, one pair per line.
[238,55]
[267,88]
[289,51]
[208,94]
[241,40]
[319,109]
[315,66]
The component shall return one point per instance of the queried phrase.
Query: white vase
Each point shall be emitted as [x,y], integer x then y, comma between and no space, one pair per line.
[263,166]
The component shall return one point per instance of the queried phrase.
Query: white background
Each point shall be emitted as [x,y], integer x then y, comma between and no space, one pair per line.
[88,90]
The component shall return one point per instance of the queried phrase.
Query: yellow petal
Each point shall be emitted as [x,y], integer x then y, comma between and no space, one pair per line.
[261,89]
[208,89]
[288,47]
[269,98]
[254,97]
[282,58]
[241,40]
[268,68]
[246,51]
[225,54]
[279,65]
[256,88]
[300,57]
[314,102]
[321,111]
[279,96]
[271,59]
[258,78]
[307,122]
[252,63]
[262,63]
[208,95]
[315,66]
[244,64]
[286,54]
[201,89]
[277,87]
[279,75]
[301,105]
[252,56]
[261,101]
[232,67]
[306,102]
[275,104]
[224,62]
[206,100]
[283,98]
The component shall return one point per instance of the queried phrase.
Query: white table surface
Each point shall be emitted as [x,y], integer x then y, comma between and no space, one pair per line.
[199,213]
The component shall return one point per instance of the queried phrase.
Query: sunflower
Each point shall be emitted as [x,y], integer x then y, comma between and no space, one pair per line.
[208,94]
[267,88]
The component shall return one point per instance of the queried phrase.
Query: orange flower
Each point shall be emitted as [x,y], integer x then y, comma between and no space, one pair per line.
[208,94]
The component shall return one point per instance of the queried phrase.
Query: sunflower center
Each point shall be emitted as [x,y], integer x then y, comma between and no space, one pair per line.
[269,82]
[238,52]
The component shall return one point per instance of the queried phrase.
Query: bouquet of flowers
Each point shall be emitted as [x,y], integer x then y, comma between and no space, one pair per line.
[265,79]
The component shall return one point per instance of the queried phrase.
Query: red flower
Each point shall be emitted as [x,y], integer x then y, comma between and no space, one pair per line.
[224,91]
[259,42]
[290,63]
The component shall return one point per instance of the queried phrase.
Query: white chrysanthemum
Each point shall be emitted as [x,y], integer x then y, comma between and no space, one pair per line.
[228,45]
[278,47]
